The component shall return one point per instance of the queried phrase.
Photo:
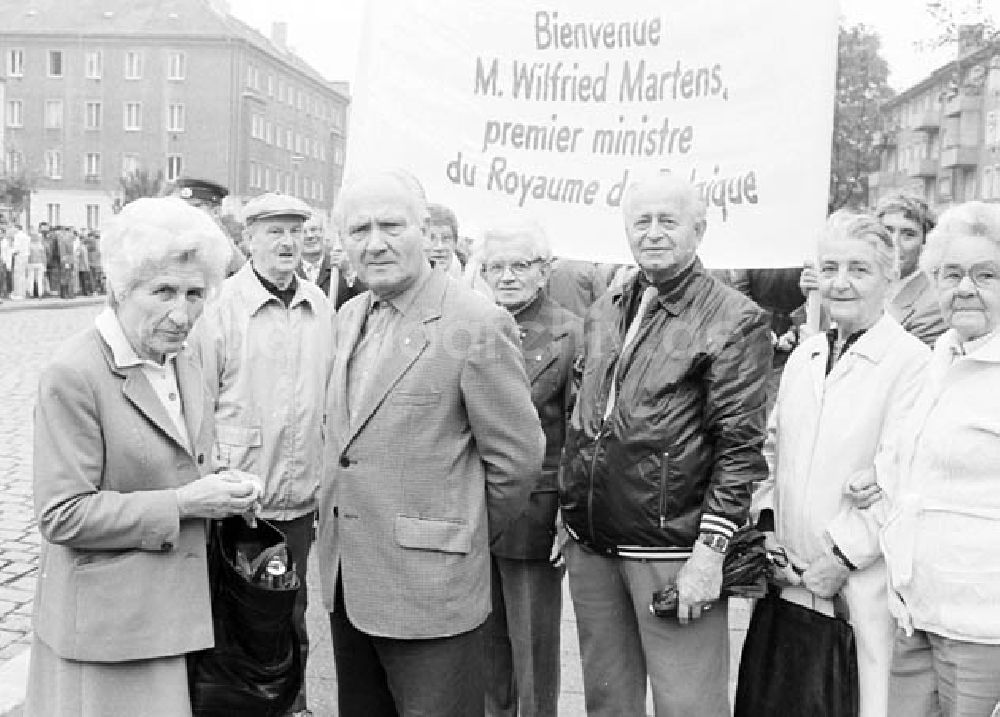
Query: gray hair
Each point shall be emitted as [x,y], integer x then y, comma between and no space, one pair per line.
[401,177]
[671,185]
[518,228]
[968,219]
[848,225]
[149,234]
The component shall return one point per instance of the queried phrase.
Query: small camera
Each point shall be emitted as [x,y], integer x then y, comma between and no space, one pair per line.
[664,602]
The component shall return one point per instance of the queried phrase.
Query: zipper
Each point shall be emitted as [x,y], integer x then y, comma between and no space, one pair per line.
[664,475]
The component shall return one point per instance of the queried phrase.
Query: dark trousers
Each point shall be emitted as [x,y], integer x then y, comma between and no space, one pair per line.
[522,652]
[86,288]
[298,535]
[386,677]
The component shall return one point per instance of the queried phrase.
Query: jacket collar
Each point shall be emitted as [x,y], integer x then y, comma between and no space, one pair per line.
[986,349]
[674,296]
[256,296]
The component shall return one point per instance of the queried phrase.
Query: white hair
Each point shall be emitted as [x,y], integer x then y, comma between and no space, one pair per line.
[515,229]
[149,234]
[670,185]
[401,177]
[968,219]
[848,225]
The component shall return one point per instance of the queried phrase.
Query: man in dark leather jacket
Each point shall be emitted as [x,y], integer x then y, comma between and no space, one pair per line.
[661,452]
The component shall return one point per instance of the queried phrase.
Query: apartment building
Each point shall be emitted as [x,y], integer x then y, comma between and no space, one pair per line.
[99,88]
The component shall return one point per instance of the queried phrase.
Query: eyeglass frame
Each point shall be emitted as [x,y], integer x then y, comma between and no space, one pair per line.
[953,283]
[519,272]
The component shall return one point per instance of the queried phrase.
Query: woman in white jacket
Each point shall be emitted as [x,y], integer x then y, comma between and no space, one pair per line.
[840,394]
[942,537]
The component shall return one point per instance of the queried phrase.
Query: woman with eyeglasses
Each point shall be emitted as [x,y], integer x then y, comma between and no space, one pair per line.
[941,538]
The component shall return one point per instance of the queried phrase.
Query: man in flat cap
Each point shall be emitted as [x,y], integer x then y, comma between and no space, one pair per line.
[208,196]
[266,345]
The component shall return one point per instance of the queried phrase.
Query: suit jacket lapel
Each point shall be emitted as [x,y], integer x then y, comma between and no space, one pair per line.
[348,332]
[140,393]
[817,367]
[192,390]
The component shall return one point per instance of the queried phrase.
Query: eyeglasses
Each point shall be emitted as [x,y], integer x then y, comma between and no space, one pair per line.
[517,268]
[985,275]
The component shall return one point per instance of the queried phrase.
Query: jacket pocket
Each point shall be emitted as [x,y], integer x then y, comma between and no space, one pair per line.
[237,446]
[415,398]
[445,535]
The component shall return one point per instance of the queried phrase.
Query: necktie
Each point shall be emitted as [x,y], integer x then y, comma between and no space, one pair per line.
[648,296]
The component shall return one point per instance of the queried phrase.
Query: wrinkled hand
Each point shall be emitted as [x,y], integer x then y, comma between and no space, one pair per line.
[786,567]
[863,491]
[787,341]
[217,495]
[825,576]
[809,279]
[699,582]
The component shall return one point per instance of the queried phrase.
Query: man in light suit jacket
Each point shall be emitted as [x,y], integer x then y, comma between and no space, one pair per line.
[433,449]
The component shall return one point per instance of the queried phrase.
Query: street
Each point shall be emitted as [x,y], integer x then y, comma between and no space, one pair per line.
[30,336]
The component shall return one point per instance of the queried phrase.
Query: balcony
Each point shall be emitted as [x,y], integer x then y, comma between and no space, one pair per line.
[959,157]
[925,168]
[929,121]
[962,102]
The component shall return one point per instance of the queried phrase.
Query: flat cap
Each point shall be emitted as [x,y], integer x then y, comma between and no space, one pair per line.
[271,205]
[200,189]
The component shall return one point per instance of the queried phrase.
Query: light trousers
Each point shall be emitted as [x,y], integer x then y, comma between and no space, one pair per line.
[621,642]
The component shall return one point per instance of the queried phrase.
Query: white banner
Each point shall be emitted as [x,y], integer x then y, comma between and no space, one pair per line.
[551,106]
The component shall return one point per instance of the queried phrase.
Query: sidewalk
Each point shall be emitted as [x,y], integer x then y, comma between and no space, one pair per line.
[7,305]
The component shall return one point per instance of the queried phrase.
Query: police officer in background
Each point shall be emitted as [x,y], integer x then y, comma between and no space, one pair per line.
[208,196]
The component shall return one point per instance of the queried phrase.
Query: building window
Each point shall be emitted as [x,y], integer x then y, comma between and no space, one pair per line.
[992,136]
[55,63]
[321,191]
[133,65]
[254,175]
[270,85]
[15,113]
[14,161]
[93,115]
[53,164]
[175,118]
[996,180]
[253,77]
[133,116]
[130,164]
[175,66]
[92,166]
[267,179]
[53,114]
[322,152]
[93,216]
[270,132]
[15,63]
[987,188]
[173,167]
[52,212]
[95,65]
[288,140]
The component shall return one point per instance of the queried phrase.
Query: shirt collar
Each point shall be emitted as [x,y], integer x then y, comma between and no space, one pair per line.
[257,295]
[124,355]
[404,300]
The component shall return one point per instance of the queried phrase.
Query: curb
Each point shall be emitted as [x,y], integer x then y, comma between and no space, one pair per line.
[14,683]
[10,305]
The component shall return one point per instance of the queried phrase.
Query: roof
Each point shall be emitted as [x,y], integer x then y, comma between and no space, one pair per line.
[151,18]
[941,75]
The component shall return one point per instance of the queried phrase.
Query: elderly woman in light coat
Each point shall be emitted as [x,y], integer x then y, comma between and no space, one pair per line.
[123,481]
[840,394]
[939,489]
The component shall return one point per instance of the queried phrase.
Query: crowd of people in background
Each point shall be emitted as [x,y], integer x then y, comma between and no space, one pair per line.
[469,423]
[49,261]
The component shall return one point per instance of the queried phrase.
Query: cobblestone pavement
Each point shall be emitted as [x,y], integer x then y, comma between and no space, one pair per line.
[28,339]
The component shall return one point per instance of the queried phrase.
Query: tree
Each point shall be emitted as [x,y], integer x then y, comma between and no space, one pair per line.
[15,190]
[862,87]
[139,183]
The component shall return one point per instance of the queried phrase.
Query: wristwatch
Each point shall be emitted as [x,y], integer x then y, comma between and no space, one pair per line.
[718,543]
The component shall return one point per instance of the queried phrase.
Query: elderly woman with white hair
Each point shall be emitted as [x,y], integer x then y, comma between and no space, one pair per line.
[840,395]
[123,480]
[942,534]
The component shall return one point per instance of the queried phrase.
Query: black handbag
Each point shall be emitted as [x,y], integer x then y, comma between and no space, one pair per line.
[797,663]
[255,666]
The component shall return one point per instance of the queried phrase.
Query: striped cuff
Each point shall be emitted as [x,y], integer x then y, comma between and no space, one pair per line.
[717,524]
